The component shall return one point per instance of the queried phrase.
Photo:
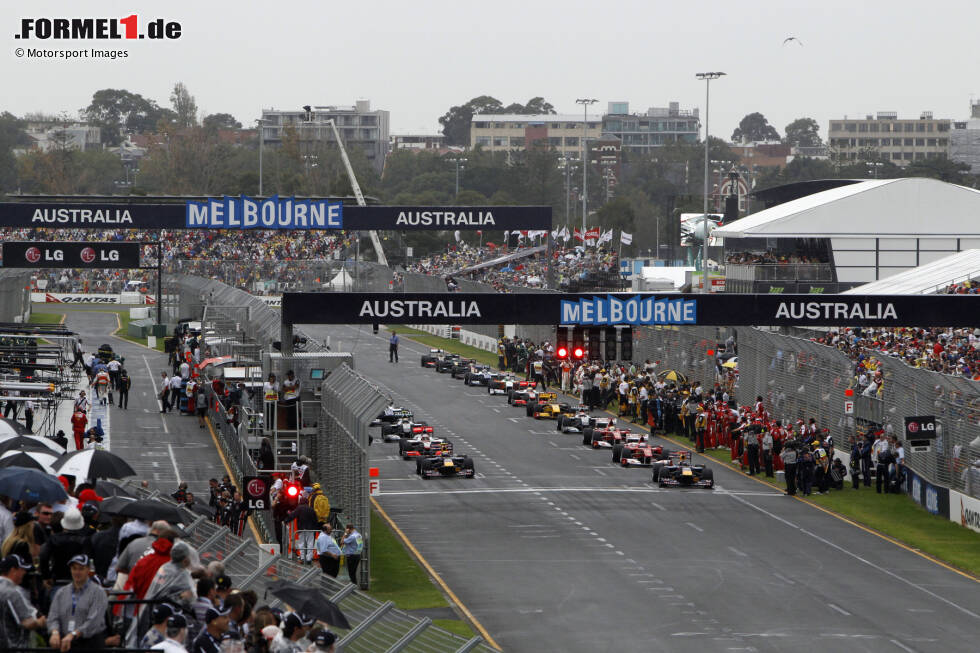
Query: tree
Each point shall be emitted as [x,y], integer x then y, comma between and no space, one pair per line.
[754,128]
[216,121]
[803,132]
[940,168]
[184,106]
[11,136]
[456,122]
[117,110]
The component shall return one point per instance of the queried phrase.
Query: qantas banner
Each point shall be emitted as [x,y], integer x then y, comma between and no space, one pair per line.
[631,309]
[289,213]
[91,298]
[71,255]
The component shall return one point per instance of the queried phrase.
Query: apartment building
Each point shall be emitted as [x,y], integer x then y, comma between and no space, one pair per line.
[964,141]
[359,126]
[901,140]
[508,132]
[657,127]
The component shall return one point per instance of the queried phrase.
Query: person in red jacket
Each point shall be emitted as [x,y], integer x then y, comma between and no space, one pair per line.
[146,567]
[78,423]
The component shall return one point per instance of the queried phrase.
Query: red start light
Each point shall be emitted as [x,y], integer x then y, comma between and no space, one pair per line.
[292,491]
[562,352]
[578,352]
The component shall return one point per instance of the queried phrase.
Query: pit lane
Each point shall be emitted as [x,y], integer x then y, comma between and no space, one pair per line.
[553,548]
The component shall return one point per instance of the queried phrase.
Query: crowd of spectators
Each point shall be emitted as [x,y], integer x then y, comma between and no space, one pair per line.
[569,264]
[75,576]
[771,257]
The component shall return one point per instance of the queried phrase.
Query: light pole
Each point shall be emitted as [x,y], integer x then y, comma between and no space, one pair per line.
[585,102]
[566,164]
[261,122]
[707,77]
[458,161]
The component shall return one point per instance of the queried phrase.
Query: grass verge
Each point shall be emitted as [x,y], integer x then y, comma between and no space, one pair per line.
[454,346]
[893,515]
[45,316]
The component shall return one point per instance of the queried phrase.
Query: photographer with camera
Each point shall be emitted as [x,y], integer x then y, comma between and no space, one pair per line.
[884,458]
[789,456]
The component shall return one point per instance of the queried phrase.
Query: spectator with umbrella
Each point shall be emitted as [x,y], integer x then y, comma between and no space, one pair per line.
[309,601]
[94,464]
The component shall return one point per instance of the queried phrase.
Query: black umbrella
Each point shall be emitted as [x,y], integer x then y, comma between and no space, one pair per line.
[23,459]
[93,463]
[309,601]
[22,484]
[112,505]
[105,488]
[150,510]
[198,509]
[32,442]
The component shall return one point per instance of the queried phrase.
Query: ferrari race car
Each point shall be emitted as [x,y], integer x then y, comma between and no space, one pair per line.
[636,451]
[424,446]
[404,429]
[445,466]
[433,357]
[549,409]
[392,414]
[678,471]
[604,438]
[582,420]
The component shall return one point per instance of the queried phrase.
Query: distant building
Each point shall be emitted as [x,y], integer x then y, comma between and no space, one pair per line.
[763,154]
[657,127]
[964,145]
[49,135]
[417,141]
[606,155]
[359,127]
[899,140]
[509,132]
[808,152]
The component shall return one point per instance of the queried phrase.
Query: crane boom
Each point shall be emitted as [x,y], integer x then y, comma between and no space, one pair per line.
[375,241]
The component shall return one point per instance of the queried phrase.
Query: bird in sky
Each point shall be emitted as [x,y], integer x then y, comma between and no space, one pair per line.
[792,38]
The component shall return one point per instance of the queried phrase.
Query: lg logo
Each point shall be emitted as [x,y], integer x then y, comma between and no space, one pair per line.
[88,255]
[33,255]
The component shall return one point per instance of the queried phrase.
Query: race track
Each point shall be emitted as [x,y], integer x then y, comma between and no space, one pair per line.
[553,548]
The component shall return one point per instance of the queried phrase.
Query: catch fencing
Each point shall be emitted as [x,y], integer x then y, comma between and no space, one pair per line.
[375,626]
[799,378]
[15,295]
[340,449]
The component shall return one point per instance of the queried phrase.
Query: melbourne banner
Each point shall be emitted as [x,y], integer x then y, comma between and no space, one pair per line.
[270,213]
[720,309]
[71,255]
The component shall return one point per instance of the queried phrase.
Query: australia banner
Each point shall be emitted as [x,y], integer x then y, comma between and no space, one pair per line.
[720,309]
[289,213]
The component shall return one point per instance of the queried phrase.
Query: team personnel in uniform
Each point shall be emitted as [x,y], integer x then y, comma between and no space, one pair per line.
[328,551]
[124,384]
[353,547]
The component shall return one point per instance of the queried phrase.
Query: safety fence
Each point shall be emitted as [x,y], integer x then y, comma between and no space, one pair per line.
[15,295]
[340,448]
[799,378]
[375,626]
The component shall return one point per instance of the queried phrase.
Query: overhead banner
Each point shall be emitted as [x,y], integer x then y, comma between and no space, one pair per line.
[70,255]
[631,309]
[291,213]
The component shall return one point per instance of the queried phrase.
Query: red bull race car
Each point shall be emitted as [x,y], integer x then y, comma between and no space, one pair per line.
[445,466]
[678,471]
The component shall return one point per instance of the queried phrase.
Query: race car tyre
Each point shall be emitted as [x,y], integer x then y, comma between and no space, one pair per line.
[529,410]
[468,466]
[709,475]
[587,437]
[560,423]
[418,467]
[656,473]
[617,453]
[510,397]
[401,448]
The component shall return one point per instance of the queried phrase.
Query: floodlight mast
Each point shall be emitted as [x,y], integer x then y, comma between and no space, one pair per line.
[375,241]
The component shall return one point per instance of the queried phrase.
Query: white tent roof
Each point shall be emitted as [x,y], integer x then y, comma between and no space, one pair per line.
[926,279]
[909,207]
[342,281]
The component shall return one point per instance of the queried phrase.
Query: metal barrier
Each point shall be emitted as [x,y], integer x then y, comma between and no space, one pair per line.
[375,626]
[15,295]
[339,451]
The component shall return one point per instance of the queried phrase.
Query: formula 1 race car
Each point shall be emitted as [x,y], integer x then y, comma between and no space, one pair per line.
[392,414]
[404,429]
[460,367]
[445,466]
[433,357]
[581,420]
[478,375]
[506,385]
[636,451]
[604,438]
[678,471]
[424,446]
[527,395]
[105,353]
[447,363]
[549,409]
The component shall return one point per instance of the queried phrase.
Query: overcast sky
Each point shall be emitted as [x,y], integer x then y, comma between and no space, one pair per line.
[418,58]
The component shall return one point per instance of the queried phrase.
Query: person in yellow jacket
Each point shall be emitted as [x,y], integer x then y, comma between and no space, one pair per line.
[320,504]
